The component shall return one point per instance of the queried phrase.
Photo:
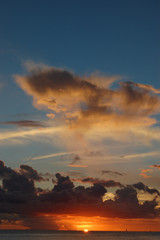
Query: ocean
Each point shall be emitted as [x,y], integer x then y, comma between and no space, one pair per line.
[72,235]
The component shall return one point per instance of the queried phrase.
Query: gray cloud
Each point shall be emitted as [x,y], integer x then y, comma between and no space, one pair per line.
[24,123]
[141,186]
[112,172]
[19,197]
[30,173]
[76,159]
[105,183]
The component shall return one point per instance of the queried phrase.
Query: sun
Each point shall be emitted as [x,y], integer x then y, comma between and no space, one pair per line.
[85,230]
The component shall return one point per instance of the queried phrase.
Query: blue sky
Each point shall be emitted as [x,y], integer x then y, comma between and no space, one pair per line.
[114,38]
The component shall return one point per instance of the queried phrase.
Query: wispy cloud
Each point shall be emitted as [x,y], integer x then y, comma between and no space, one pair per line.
[77,165]
[112,172]
[144,173]
[13,134]
[119,158]
[141,155]
[155,166]
[24,123]
[52,155]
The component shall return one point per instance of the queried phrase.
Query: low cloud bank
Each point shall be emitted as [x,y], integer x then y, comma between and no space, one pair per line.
[20,197]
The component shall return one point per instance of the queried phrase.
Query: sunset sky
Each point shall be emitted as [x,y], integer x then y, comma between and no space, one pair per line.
[80,115]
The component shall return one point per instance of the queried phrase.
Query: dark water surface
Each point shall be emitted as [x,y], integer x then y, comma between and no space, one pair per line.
[71,235]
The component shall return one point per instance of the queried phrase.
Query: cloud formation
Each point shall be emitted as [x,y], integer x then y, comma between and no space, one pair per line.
[144,173]
[30,173]
[141,186]
[24,123]
[105,183]
[83,101]
[10,135]
[76,159]
[22,200]
[155,166]
[112,172]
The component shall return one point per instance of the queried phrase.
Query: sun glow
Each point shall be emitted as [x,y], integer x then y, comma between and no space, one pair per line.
[85,230]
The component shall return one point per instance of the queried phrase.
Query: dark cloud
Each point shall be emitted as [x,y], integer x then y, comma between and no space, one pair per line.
[112,172]
[127,194]
[126,205]
[30,173]
[76,159]
[20,197]
[24,123]
[5,172]
[141,186]
[140,97]
[97,190]
[105,183]
[40,222]
[55,80]
[63,183]
[13,181]
[17,182]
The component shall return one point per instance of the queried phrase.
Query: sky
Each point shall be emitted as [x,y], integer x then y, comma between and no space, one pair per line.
[80,115]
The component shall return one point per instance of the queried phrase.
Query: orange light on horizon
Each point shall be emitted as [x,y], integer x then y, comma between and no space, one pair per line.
[86,224]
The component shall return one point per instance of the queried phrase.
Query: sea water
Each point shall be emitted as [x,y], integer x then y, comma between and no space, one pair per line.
[68,235]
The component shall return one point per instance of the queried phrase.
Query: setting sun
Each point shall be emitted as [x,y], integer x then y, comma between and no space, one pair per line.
[85,230]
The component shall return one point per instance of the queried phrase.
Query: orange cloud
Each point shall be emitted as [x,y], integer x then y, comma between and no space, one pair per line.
[155,166]
[24,134]
[144,175]
[77,165]
[87,101]
[144,171]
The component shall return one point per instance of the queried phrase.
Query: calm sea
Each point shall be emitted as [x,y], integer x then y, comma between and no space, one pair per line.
[68,235]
